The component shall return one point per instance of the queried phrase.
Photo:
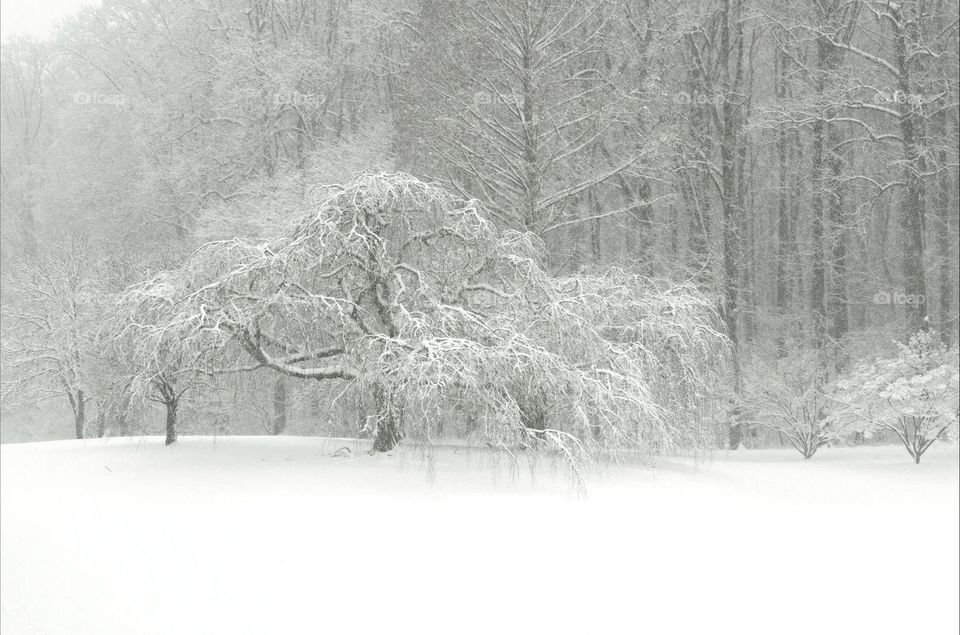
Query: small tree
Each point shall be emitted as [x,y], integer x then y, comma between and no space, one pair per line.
[157,365]
[48,315]
[914,394]
[112,394]
[791,398]
[113,371]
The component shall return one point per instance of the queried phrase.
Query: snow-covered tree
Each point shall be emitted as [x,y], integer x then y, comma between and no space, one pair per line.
[915,394]
[48,323]
[156,365]
[790,396]
[411,296]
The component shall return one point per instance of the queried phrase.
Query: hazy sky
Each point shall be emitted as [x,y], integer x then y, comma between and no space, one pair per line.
[35,17]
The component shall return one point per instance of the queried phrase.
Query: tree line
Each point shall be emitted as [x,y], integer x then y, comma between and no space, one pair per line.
[795,162]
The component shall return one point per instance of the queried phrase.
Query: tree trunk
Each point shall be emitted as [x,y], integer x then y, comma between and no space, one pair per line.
[28,231]
[788,152]
[279,406]
[817,266]
[744,206]
[837,319]
[695,176]
[783,211]
[912,213]
[730,139]
[389,419]
[577,236]
[530,150]
[79,417]
[595,228]
[827,304]
[945,233]
[912,224]
[362,419]
[171,422]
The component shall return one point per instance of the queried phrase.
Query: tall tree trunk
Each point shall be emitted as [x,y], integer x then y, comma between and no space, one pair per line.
[828,299]
[945,234]
[27,219]
[577,235]
[279,405]
[171,406]
[730,139]
[530,152]
[596,248]
[389,418]
[696,174]
[912,213]
[817,193]
[836,310]
[746,224]
[79,416]
[858,310]
[785,237]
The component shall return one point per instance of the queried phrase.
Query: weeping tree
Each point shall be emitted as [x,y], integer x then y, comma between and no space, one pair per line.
[152,362]
[156,371]
[411,297]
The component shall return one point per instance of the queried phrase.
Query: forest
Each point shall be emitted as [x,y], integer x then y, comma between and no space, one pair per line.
[594,229]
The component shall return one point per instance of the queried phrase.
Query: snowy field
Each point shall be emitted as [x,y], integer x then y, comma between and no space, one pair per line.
[275,535]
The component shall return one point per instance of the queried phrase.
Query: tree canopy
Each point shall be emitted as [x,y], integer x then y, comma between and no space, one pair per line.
[400,287]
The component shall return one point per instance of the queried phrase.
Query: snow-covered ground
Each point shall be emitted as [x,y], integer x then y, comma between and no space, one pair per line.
[275,535]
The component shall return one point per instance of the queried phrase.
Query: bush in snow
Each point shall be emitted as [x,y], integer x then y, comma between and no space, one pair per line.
[913,394]
[791,398]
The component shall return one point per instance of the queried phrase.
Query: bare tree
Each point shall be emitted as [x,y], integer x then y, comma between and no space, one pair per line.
[24,125]
[522,97]
[791,398]
[49,316]
[914,38]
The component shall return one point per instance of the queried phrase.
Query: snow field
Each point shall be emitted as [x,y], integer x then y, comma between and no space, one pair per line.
[274,535]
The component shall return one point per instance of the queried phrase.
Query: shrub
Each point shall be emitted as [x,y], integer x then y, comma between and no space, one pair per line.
[913,394]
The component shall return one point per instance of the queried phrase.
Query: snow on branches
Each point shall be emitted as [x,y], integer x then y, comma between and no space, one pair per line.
[410,295]
[48,313]
[915,394]
[792,397]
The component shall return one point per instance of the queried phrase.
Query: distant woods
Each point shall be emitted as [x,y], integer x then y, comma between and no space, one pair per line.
[795,160]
